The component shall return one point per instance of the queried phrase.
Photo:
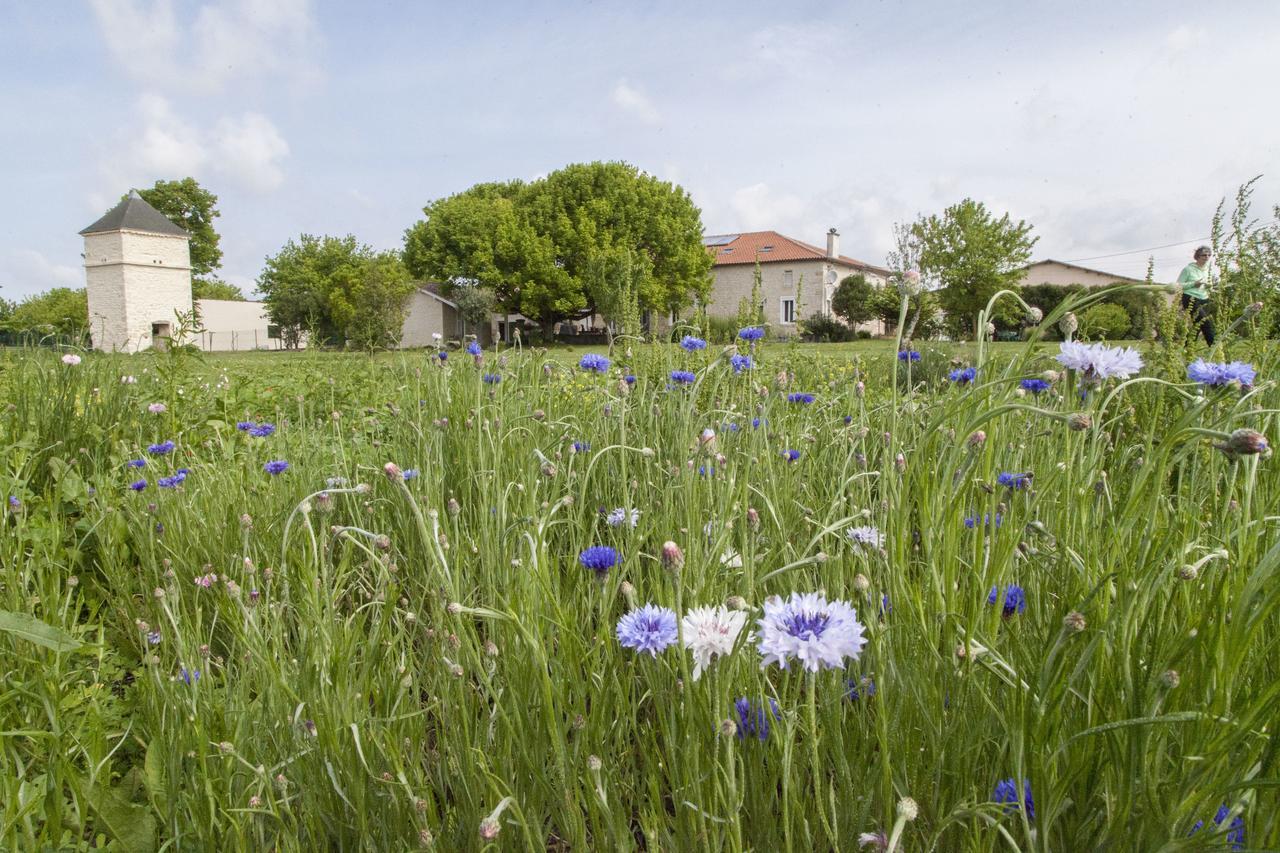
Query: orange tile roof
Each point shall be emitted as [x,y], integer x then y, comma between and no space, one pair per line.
[771,246]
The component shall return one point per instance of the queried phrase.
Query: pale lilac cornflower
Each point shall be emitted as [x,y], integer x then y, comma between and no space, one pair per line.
[648,629]
[866,537]
[711,631]
[206,580]
[157,408]
[153,638]
[1098,361]
[71,359]
[620,516]
[809,629]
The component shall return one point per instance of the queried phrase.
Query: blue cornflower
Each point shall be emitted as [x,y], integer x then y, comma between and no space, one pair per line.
[190,676]
[138,485]
[16,504]
[630,379]
[856,688]
[751,333]
[160,449]
[592,361]
[705,471]
[963,377]
[740,363]
[1015,601]
[473,348]
[756,422]
[153,638]
[682,377]
[754,720]
[491,379]
[730,427]
[908,355]
[245,426]
[791,455]
[581,446]
[599,558]
[1221,373]
[1035,386]
[800,398]
[170,482]
[136,463]
[985,520]
[691,344]
[409,473]
[648,629]
[443,356]
[1007,792]
[1014,481]
[262,430]
[848,419]
[1235,831]
[276,466]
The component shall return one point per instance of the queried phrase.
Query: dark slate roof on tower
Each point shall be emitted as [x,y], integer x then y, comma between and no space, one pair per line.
[134,214]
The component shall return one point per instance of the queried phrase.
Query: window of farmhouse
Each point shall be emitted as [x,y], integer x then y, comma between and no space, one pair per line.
[788,310]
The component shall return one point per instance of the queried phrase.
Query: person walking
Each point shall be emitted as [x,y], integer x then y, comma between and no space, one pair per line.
[1194,280]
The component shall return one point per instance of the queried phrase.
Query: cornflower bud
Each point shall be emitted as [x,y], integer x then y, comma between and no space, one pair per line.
[672,556]
[1074,621]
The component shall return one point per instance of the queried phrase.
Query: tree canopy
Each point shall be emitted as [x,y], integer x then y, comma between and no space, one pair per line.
[62,310]
[852,301]
[337,290]
[972,255]
[544,248]
[214,288]
[194,208]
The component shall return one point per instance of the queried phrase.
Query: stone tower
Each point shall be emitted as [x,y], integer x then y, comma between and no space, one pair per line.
[138,274]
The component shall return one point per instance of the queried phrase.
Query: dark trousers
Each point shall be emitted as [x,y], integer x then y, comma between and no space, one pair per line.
[1200,319]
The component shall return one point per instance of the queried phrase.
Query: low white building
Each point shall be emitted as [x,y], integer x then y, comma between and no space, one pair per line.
[234,325]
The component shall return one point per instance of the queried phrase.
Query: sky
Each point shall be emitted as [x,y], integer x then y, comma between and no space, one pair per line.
[1112,128]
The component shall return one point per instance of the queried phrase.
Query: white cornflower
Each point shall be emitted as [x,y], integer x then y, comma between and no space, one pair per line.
[867,537]
[71,359]
[808,628]
[711,631]
[1099,361]
[620,516]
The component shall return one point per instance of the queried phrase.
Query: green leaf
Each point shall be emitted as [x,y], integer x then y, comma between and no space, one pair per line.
[32,630]
[153,772]
[132,825]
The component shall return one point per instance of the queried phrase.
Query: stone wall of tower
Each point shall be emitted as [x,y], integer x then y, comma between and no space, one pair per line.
[134,279]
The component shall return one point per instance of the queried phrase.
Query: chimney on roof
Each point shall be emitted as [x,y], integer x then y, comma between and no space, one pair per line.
[833,244]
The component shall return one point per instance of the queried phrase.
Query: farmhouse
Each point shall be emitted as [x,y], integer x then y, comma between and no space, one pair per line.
[1050,271]
[797,279]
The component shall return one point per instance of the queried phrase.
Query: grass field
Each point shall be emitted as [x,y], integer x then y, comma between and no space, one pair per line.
[1046,620]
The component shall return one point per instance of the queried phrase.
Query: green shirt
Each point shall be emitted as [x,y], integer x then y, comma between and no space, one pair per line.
[1194,280]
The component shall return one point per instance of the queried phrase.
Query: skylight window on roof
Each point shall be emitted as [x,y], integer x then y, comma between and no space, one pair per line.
[719,239]
[766,249]
[726,251]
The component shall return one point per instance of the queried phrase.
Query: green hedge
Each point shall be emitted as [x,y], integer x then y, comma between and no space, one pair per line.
[1138,305]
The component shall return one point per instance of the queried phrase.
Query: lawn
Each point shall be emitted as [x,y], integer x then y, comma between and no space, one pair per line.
[307,601]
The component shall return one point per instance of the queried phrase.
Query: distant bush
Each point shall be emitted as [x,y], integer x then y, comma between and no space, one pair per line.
[722,330]
[1105,322]
[1139,306]
[821,329]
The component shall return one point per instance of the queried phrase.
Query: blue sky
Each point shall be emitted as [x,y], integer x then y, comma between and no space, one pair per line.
[1110,127]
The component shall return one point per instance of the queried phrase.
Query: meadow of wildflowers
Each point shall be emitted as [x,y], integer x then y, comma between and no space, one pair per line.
[529,602]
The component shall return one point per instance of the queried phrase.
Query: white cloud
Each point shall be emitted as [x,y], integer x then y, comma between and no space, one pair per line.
[758,208]
[244,150]
[248,150]
[1184,36]
[224,42]
[635,103]
[26,271]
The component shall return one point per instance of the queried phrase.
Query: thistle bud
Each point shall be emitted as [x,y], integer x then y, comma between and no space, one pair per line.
[453,508]
[910,283]
[1245,442]
[728,728]
[594,763]
[991,330]
[672,556]
[1079,421]
[907,809]
[861,583]
[1252,309]
[1034,316]
[977,439]
[246,521]
[489,829]
[860,389]
[707,437]
[1170,679]
[735,602]
[1068,324]
[753,518]
[393,472]
[1074,622]
[1188,573]
[900,462]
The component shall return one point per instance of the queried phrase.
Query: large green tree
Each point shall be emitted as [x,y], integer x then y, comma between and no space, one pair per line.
[852,301]
[62,310]
[194,208]
[337,290]
[541,247]
[215,288]
[972,255]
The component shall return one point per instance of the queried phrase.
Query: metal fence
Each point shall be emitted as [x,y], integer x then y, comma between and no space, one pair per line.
[238,341]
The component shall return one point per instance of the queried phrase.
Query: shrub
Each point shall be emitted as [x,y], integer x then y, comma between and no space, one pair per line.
[821,329]
[722,330]
[1105,322]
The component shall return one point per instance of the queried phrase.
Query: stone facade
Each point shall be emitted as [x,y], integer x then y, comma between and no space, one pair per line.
[780,285]
[136,282]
